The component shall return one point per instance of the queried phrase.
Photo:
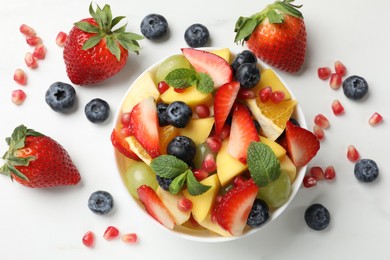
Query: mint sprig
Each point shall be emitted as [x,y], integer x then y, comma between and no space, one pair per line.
[263,164]
[183,78]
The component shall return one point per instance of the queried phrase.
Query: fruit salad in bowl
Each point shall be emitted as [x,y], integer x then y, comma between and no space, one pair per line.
[212,145]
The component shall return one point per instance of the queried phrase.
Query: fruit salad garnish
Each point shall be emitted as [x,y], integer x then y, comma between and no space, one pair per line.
[94,50]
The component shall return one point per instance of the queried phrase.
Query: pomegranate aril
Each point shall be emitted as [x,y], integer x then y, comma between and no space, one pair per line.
[89,239]
[318,132]
[61,39]
[239,180]
[162,86]
[33,40]
[321,121]
[340,69]
[18,97]
[352,153]
[184,204]
[309,181]
[375,119]
[214,143]
[335,81]
[265,94]
[209,165]
[317,173]
[330,173]
[126,131]
[179,90]
[200,174]
[30,60]
[246,94]
[111,233]
[27,30]
[337,108]
[39,52]
[20,77]
[202,111]
[125,119]
[324,73]
[277,96]
[193,221]
[130,238]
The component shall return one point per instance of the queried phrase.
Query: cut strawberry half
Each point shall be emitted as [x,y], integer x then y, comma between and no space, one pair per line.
[215,66]
[242,133]
[223,103]
[154,206]
[144,125]
[232,210]
[302,145]
[120,144]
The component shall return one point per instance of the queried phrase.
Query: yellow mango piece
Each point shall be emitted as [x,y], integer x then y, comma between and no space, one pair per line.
[287,166]
[202,204]
[198,129]
[170,202]
[278,150]
[269,78]
[191,96]
[214,227]
[143,88]
[228,167]
[223,53]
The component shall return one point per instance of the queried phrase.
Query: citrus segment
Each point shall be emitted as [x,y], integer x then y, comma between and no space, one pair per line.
[137,148]
[279,113]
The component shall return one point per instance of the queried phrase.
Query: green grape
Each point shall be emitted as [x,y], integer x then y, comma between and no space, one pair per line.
[137,175]
[277,192]
[171,63]
[201,151]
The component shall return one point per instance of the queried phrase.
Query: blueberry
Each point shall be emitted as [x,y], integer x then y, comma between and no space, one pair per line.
[243,57]
[258,214]
[100,202]
[366,170]
[164,182]
[317,217]
[248,75]
[197,35]
[355,87]
[97,110]
[154,26]
[60,96]
[182,147]
[162,115]
[178,114]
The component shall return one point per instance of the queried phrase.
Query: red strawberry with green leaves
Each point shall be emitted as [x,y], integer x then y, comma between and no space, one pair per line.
[276,35]
[302,145]
[94,51]
[223,103]
[232,210]
[38,161]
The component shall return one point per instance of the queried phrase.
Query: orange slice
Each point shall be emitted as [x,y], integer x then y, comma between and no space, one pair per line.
[279,113]
[167,133]
[137,148]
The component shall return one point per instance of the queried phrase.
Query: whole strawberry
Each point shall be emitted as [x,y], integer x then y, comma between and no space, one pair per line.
[276,35]
[94,51]
[38,161]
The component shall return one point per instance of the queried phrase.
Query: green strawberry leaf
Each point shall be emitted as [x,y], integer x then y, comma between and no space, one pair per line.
[275,17]
[205,83]
[244,28]
[168,166]
[178,183]
[92,41]
[87,27]
[194,187]
[113,47]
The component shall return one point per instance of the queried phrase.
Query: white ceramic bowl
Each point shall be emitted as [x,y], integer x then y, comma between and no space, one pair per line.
[204,235]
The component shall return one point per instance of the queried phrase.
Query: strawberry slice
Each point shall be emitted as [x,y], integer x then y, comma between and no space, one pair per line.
[302,145]
[215,66]
[154,206]
[242,133]
[232,210]
[144,125]
[120,144]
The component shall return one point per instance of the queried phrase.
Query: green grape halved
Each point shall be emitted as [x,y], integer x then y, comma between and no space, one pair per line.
[139,174]
[173,62]
[277,192]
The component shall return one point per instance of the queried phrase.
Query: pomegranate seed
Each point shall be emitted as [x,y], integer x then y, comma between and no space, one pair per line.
[202,111]
[125,119]
[20,77]
[239,180]
[309,181]
[193,222]
[111,233]
[317,173]
[209,164]
[89,239]
[61,39]
[39,52]
[246,94]
[162,86]
[179,90]
[265,94]
[33,40]
[337,108]
[330,173]
[30,60]
[224,133]
[130,238]
[321,121]
[335,81]
[27,30]
[324,73]
[184,204]
[18,97]
[340,69]
[375,119]
[126,131]
[277,96]
[352,153]
[200,174]
[318,132]
[214,143]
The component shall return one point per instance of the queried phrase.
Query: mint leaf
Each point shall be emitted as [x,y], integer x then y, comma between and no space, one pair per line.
[168,166]
[178,183]
[181,78]
[263,165]
[205,83]
[194,187]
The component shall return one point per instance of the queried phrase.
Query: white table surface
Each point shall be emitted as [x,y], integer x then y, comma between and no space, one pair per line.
[49,224]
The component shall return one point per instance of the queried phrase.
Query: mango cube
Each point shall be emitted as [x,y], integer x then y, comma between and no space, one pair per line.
[191,96]
[278,150]
[170,202]
[198,129]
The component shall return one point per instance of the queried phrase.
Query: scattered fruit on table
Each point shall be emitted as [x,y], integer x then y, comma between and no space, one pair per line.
[30,61]
[27,30]
[97,110]
[101,202]
[37,161]
[366,170]
[197,35]
[375,119]
[20,77]
[61,39]
[337,107]
[276,35]
[89,239]
[94,50]
[352,153]
[154,26]
[18,96]
[317,217]
[61,97]
[111,233]
[355,87]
